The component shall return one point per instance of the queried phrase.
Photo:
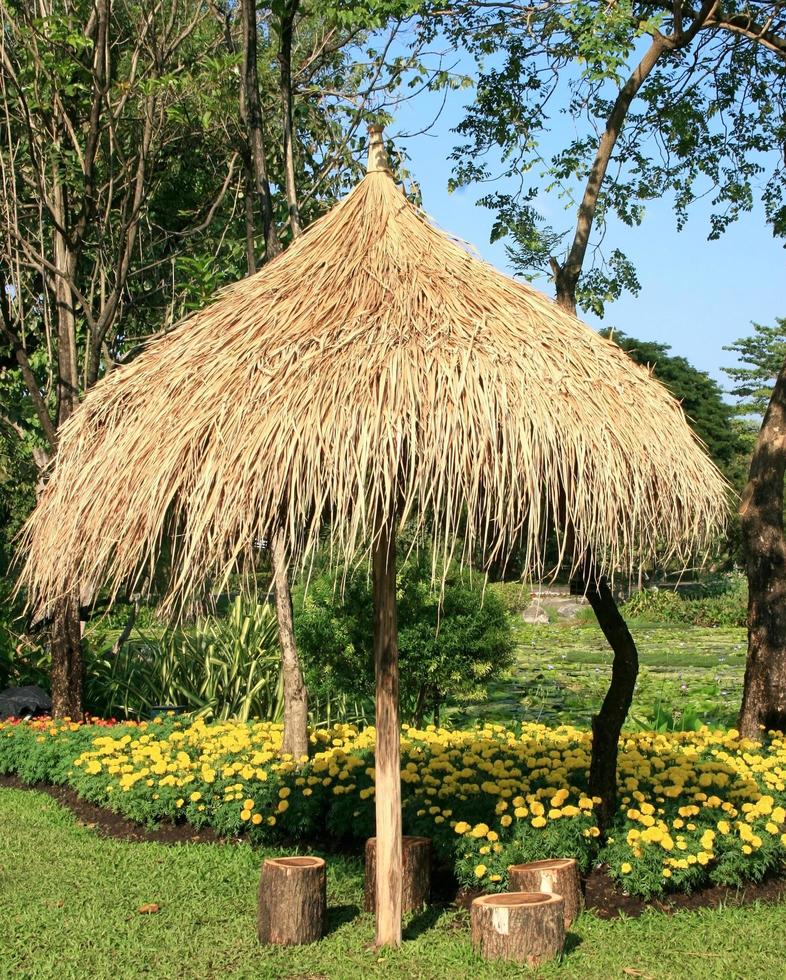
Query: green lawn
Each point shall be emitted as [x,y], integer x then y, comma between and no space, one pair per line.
[69,905]
[562,672]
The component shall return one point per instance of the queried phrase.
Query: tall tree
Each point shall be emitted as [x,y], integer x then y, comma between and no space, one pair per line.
[760,385]
[761,357]
[761,519]
[89,93]
[711,79]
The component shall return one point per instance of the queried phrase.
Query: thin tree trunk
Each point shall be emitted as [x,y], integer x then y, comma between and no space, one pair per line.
[285,62]
[295,740]
[761,521]
[607,723]
[251,114]
[67,668]
[66,631]
[388,765]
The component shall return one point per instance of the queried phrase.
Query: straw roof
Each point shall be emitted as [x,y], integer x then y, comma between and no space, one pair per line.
[375,358]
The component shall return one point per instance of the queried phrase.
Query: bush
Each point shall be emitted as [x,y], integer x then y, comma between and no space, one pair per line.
[719,602]
[222,667]
[450,647]
[696,808]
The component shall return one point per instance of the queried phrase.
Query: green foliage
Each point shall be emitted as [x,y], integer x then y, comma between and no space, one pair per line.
[701,124]
[762,356]
[222,667]
[450,646]
[720,603]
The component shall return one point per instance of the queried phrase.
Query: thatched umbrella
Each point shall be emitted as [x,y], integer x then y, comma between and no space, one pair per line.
[375,373]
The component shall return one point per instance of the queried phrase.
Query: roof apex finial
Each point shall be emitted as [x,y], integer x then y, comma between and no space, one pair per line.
[377,155]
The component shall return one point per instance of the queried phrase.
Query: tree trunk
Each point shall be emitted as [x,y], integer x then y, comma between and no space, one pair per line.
[295,741]
[251,114]
[525,927]
[67,671]
[415,869]
[559,876]
[388,765]
[287,24]
[292,901]
[761,522]
[607,724]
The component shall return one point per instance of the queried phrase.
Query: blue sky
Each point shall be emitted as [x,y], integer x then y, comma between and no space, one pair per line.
[696,296]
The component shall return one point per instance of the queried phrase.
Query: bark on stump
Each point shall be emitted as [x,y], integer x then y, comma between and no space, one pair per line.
[292,901]
[416,871]
[525,927]
[558,876]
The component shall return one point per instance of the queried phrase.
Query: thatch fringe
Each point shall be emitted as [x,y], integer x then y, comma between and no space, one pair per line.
[375,361]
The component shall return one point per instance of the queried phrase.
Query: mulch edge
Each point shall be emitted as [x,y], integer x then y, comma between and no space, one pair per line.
[602,895]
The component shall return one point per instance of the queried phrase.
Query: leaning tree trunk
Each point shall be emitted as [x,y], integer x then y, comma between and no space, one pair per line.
[764,545]
[387,781]
[607,723]
[67,669]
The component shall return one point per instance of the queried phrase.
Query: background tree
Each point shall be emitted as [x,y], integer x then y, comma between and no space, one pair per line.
[710,82]
[761,357]
[94,98]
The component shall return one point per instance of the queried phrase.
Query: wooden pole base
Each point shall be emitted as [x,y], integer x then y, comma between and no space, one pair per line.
[558,876]
[416,874]
[526,927]
[292,901]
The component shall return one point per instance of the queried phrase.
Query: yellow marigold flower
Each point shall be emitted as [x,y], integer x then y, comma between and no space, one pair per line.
[480,870]
[521,811]
[248,805]
[245,814]
[539,821]
[179,803]
[479,830]
[667,872]
[626,868]
[462,827]
[492,835]
[284,792]
[256,819]
[507,820]
[283,805]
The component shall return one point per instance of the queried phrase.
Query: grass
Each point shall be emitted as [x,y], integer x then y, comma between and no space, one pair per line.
[689,674]
[69,909]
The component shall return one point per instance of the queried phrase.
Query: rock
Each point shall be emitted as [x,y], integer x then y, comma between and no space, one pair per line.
[24,702]
[535,615]
[569,610]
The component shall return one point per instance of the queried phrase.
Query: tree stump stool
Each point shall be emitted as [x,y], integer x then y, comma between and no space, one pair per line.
[556,876]
[416,873]
[526,927]
[292,901]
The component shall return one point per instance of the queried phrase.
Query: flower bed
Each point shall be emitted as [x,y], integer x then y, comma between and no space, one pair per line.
[695,808]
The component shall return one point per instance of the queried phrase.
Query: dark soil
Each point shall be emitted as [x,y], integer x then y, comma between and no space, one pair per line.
[111,824]
[608,901]
[601,894]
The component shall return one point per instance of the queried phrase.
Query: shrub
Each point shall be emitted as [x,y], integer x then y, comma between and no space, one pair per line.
[450,646]
[719,602]
[696,808]
[222,667]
